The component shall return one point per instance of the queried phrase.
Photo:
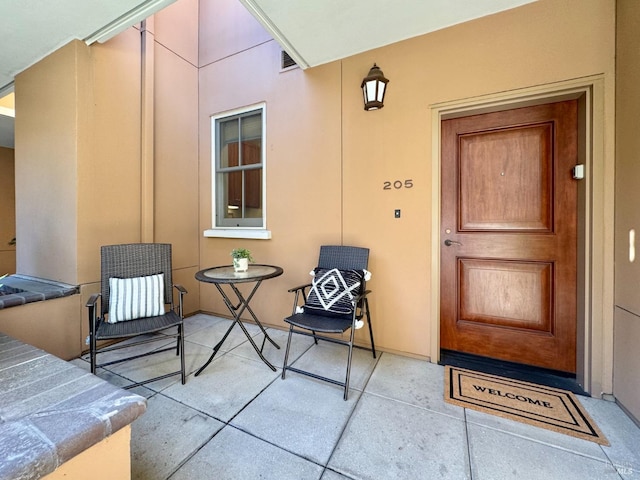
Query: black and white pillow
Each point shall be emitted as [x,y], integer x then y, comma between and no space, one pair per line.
[139,297]
[332,291]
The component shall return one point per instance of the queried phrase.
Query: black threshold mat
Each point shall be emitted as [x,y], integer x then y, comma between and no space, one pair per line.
[516,371]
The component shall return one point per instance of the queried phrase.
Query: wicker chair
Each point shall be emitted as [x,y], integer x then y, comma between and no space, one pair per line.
[136,261]
[336,301]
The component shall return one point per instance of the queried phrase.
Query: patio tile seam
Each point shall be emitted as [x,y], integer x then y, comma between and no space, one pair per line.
[255,359]
[278,377]
[225,422]
[119,375]
[204,345]
[344,428]
[279,447]
[191,407]
[368,379]
[357,389]
[251,400]
[404,402]
[228,423]
[624,464]
[218,357]
[125,379]
[210,321]
[193,453]
[222,350]
[605,460]
[342,474]
[466,438]
[221,420]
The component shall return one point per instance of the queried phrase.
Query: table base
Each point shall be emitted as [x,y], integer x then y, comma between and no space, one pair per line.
[237,310]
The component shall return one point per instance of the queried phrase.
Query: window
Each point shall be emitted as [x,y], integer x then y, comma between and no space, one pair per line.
[238,174]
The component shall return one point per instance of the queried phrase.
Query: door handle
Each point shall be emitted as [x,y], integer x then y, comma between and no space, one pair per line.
[448,242]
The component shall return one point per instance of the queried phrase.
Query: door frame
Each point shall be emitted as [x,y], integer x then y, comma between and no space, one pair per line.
[595,216]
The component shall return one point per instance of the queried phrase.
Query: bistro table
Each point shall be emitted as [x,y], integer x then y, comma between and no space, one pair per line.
[226,275]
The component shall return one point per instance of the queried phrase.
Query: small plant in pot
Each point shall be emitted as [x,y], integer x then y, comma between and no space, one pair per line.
[241,258]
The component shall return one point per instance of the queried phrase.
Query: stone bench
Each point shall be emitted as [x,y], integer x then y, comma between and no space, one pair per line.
[52,411]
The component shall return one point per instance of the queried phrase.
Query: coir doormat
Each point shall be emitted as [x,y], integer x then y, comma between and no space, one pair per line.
[545,407]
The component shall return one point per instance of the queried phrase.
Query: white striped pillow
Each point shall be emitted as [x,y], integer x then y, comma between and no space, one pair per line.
[139,297]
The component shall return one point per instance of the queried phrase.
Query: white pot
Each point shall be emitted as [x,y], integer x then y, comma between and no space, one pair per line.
[240,264]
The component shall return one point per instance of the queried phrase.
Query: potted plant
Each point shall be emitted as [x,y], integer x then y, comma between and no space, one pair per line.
[241,258]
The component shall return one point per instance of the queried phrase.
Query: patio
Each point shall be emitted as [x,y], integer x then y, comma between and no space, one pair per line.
[239,420]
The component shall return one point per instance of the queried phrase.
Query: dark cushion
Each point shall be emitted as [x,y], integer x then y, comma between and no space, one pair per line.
[332,291]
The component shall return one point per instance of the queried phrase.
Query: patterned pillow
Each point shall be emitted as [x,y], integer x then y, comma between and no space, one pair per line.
[332,291]
[139,297]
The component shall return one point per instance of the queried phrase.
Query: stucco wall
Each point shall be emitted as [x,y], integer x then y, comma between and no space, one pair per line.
[46,133]
[176,140]
[328,159]
[109,459]
[106,152]
[627,312]
[115,146]
[51,325]
[7,211]
[109,167]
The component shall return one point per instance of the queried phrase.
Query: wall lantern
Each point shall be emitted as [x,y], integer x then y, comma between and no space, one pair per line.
[373,87]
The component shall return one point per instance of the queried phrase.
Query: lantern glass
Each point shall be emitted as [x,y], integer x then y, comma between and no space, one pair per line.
[381,86]
[373,89]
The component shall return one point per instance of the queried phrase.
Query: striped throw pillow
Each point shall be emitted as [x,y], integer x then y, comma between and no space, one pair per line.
[139,297]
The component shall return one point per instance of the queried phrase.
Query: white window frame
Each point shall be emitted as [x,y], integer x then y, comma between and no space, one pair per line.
[259,232]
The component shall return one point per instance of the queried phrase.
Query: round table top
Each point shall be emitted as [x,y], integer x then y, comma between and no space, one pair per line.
[226,274]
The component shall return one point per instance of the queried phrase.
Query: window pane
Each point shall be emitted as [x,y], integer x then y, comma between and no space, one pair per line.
[242,200]
[253,193]
[251,152]
[229,130]
[233,187]
[252,126]
[239,168]
[230,200]
[229,156]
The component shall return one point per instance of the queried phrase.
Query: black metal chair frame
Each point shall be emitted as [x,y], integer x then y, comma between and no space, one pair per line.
[342,258]
[128,261]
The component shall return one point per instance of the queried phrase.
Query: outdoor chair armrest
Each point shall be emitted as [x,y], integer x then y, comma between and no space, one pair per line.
[300,287]
[298,290]
[93,317]
[93,299]
[356,299]
[357,302]
[182,291]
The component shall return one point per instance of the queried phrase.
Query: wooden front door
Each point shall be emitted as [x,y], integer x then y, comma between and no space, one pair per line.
[509,221]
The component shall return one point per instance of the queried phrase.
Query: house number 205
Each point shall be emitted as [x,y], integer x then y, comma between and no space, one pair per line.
[398,184]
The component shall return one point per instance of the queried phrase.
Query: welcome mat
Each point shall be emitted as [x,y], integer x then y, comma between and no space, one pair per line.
[537,405]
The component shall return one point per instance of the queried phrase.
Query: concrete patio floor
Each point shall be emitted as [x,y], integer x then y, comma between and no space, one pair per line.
[240,420]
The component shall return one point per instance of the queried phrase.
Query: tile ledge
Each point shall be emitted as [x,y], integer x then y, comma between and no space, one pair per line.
[42,439]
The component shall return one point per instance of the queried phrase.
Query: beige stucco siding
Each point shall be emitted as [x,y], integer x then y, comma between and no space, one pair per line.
[328,159]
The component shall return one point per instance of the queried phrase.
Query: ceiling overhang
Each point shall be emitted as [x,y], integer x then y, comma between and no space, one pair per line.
[32,29]
[314,32]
